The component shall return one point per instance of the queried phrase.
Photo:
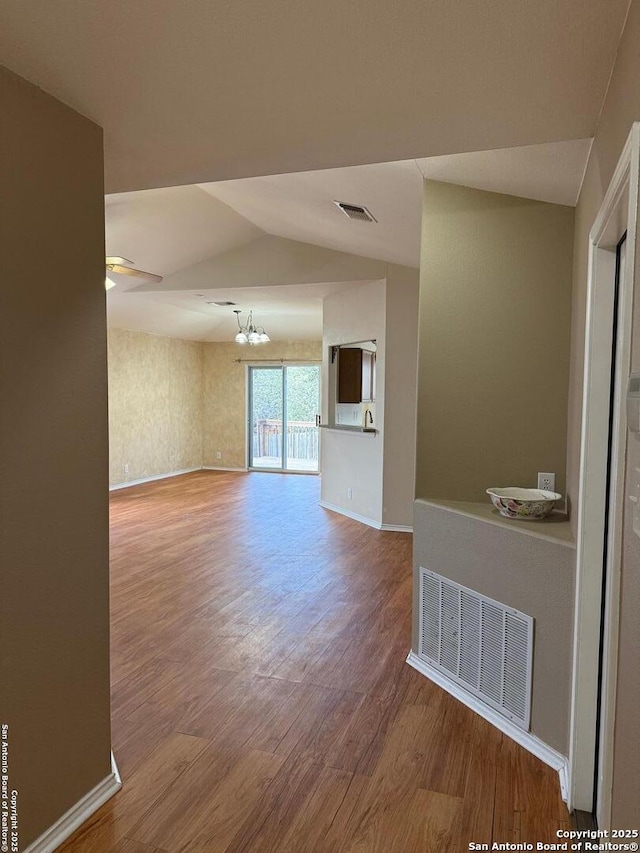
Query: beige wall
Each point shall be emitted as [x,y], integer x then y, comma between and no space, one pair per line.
[401,372]
[621,108]
[155,405]
[173,404]
[524,571]
[224,395]
[495,295]
[53,427]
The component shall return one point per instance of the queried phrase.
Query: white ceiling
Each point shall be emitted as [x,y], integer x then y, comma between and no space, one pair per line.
[291,312]
[169,230]
[165,230]
[300,207]
[197,92]
[193,93]
[544,172]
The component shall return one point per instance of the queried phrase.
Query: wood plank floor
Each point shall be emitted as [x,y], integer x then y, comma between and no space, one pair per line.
[261,701]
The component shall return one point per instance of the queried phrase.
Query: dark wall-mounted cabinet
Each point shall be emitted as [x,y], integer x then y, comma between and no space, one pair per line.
[356,375]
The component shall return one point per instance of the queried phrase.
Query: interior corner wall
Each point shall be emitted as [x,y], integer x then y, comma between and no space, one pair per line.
[155,405]
[224,395]
[495,301]
[54,599]
[352,460]
[401,377]
[621,108]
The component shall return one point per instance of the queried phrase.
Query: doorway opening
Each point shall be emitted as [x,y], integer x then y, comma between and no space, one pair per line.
[602,496]
[284,407]
[601,794]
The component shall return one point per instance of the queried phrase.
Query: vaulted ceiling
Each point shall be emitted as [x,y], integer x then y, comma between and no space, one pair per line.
[251,118]
[201,91]
[219,241]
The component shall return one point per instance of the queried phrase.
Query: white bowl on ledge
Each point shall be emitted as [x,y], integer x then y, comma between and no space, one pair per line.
[523,504]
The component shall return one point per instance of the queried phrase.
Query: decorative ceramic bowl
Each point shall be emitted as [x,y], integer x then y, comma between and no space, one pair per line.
[525,504]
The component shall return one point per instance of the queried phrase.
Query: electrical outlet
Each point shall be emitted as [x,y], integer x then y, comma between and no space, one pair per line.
[126,467]
[547,482]
[219,454]
[350,493]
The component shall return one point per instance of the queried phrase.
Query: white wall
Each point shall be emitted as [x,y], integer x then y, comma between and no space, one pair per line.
[379,469]
[352,460]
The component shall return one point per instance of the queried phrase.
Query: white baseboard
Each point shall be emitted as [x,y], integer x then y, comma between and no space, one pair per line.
[152,479]
[78,814]
[565,782]
[530,742]
[398,528]
[354,515]
[220,468]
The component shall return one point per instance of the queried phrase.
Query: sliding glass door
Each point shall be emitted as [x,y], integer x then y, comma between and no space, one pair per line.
[283,405]
[302,405]
[266,417]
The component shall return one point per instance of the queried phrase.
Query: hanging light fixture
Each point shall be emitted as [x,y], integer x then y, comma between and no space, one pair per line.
[250,334]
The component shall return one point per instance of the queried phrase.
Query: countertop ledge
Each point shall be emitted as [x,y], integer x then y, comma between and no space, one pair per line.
[349,428]
[554,529]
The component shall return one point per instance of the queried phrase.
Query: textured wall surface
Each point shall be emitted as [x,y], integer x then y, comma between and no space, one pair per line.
[155,405]
[224,407]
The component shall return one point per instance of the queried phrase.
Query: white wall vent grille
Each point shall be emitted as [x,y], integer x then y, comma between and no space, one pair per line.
[481,644]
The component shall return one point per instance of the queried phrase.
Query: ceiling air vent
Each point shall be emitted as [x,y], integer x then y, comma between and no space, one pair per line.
[355,211]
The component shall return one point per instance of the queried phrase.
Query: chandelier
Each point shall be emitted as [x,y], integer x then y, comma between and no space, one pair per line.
[250,334]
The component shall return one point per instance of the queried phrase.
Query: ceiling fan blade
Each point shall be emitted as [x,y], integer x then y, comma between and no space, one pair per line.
[116,259]
[118,268]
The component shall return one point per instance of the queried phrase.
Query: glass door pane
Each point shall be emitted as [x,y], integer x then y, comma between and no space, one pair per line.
[302,404]
[266,417]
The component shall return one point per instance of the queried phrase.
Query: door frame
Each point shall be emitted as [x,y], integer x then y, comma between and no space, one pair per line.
[617,214]
[249,427]
[282,365]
